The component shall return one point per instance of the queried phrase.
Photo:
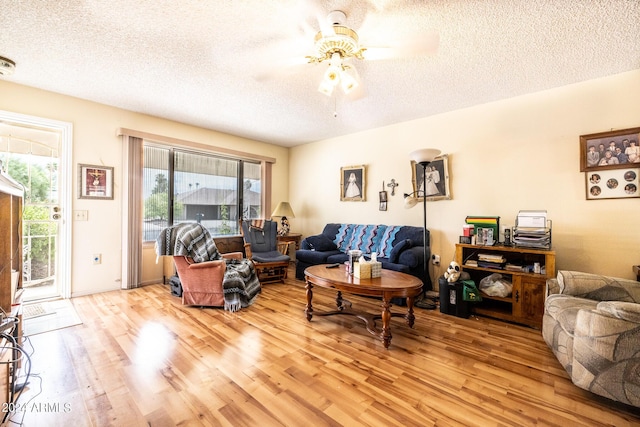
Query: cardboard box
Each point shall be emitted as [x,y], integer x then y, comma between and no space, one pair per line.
[367,270]
[376,269]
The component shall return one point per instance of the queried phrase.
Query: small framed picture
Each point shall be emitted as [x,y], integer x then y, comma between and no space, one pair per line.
[95,182]
[613,184]
[383,201]
[618,149]
[352,183]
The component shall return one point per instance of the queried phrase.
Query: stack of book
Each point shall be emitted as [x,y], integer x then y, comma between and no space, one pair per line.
[491,261]
[513,267]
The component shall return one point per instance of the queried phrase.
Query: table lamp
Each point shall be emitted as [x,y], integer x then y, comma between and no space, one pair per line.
[283,210]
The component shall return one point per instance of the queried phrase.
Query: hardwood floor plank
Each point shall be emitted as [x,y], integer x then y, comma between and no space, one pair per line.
[140,358]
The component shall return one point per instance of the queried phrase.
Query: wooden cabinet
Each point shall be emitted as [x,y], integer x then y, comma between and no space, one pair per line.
[525,305]
[11,195]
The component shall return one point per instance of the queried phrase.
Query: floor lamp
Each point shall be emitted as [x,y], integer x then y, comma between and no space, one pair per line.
[423,157]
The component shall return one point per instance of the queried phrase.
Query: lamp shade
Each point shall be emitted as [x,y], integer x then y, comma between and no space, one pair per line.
[410,201]
[283,209]
[424,155]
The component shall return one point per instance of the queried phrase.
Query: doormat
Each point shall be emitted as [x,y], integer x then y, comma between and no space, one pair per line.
[49,316]
[33,310]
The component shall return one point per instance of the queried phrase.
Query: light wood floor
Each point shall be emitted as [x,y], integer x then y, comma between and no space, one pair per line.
[142,359]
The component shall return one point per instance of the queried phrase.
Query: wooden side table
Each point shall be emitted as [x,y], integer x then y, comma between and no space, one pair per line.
[636,269]
[291,238]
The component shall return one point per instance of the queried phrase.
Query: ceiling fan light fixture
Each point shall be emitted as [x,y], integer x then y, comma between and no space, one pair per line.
[348,82]
[336,45]
[332,75]
[326,87]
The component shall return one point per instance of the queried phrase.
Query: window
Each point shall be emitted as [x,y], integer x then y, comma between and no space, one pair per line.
[188,186]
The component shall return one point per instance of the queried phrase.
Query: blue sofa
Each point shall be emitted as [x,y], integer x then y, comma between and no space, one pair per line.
[399,248]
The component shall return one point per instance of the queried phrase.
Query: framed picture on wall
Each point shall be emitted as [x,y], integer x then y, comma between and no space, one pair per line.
[437,179]
[383,200]
[352,183]
[618,149]
[613,184]
[95,182]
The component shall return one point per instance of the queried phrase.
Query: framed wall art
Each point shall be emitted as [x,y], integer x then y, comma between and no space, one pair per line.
[352,183]
[95,182]
[613,184]
[619,149]
[382,195]
[437,179]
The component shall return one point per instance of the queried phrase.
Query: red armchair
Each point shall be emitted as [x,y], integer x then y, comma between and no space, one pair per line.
[202,281]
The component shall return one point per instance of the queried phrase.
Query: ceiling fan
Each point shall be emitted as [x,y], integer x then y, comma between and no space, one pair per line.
[337,45]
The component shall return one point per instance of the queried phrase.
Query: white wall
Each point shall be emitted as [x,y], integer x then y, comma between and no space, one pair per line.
[520,153]
[95,142]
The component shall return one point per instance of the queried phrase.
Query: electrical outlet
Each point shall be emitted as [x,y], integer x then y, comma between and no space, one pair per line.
[435,259]
[97,258]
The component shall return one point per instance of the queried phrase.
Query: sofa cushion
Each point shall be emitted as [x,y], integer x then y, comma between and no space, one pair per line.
[314,257]
[366,238]
[605,355]
[621,310]
[412,257]
[398,248]
[598,287]
[395,267]
[321,243]
[337,258]
[386,241]
[564,309]
[416,234]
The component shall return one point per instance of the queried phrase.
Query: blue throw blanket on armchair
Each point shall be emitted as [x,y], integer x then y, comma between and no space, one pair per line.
[240,285]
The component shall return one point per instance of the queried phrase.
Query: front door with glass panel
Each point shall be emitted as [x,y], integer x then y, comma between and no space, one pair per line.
[30,154]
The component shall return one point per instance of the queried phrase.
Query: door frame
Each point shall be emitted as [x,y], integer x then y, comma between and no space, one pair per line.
[65,175]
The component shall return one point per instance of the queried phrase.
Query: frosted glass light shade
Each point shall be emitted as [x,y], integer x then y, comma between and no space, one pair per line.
[283,209]
[410,202]
[424,155]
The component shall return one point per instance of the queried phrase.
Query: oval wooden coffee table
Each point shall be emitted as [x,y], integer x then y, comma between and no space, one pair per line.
[390,285]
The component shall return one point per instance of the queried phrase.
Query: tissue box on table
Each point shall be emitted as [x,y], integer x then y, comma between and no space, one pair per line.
[367,270]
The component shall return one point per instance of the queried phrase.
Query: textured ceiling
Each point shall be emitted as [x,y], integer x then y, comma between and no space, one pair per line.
[237,66]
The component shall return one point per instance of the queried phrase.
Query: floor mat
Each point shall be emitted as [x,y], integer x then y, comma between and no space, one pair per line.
[33,310]
[48,316]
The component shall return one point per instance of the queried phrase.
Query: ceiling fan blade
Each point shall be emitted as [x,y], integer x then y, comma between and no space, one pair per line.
[423,45]
[281,68]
